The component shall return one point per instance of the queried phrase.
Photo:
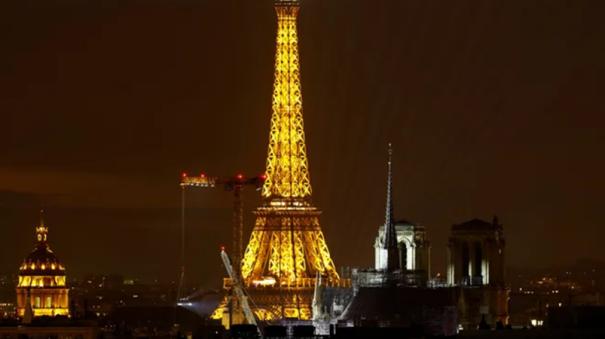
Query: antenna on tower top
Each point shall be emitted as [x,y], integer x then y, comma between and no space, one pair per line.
[42,217]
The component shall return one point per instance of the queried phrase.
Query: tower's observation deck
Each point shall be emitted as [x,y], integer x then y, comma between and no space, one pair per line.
[287,249]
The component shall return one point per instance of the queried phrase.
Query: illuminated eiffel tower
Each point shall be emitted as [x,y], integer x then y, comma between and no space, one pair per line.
[287,249]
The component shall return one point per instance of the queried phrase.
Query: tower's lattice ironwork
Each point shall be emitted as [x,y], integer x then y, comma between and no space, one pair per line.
[287,164]
[287,248]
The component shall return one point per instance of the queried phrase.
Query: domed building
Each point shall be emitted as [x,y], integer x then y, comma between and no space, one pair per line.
[42,280]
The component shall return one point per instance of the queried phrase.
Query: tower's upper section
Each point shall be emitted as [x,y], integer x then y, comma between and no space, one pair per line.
[287,165]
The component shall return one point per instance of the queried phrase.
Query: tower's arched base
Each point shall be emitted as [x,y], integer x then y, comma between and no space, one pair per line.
[274,303]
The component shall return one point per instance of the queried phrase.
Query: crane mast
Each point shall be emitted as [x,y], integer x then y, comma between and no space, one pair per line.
[238,289]
[233,184]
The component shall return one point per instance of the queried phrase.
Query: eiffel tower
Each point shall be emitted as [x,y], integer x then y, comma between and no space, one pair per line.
[287,249]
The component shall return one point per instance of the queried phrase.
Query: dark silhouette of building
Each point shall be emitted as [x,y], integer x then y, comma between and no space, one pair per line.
[476,268]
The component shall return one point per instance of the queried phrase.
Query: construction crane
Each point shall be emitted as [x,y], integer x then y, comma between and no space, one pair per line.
[233,184]
[238,289]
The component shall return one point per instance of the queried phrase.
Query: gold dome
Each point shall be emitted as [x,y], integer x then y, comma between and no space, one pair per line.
[42,260]
[42,280]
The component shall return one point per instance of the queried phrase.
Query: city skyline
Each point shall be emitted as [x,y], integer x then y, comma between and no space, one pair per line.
[98,137]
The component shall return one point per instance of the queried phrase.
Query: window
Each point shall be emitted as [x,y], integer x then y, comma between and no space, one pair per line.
[403,255]
[37,302]
[465,261]
[49,302]
[477,269]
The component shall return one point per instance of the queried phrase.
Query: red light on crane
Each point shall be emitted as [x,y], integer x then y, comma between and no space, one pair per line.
[222,247]
[184,175]
[240,176]
[202,175]
[263,176]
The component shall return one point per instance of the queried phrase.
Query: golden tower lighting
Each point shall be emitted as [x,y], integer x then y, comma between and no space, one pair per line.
[287,248]
[42,281]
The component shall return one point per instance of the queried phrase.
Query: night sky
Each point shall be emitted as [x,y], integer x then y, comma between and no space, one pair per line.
[493,107]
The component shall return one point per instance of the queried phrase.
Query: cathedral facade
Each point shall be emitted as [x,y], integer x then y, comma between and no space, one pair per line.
[413,247]
[476,268]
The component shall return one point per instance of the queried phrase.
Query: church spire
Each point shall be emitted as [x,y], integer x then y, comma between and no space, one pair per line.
[390,234]
[287,165]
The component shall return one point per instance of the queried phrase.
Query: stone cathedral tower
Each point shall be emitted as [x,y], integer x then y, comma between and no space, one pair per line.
[476,268]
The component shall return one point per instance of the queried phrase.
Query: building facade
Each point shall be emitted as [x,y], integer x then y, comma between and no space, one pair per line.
[42,288]
[476,268]
[413,245]
[476,254]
